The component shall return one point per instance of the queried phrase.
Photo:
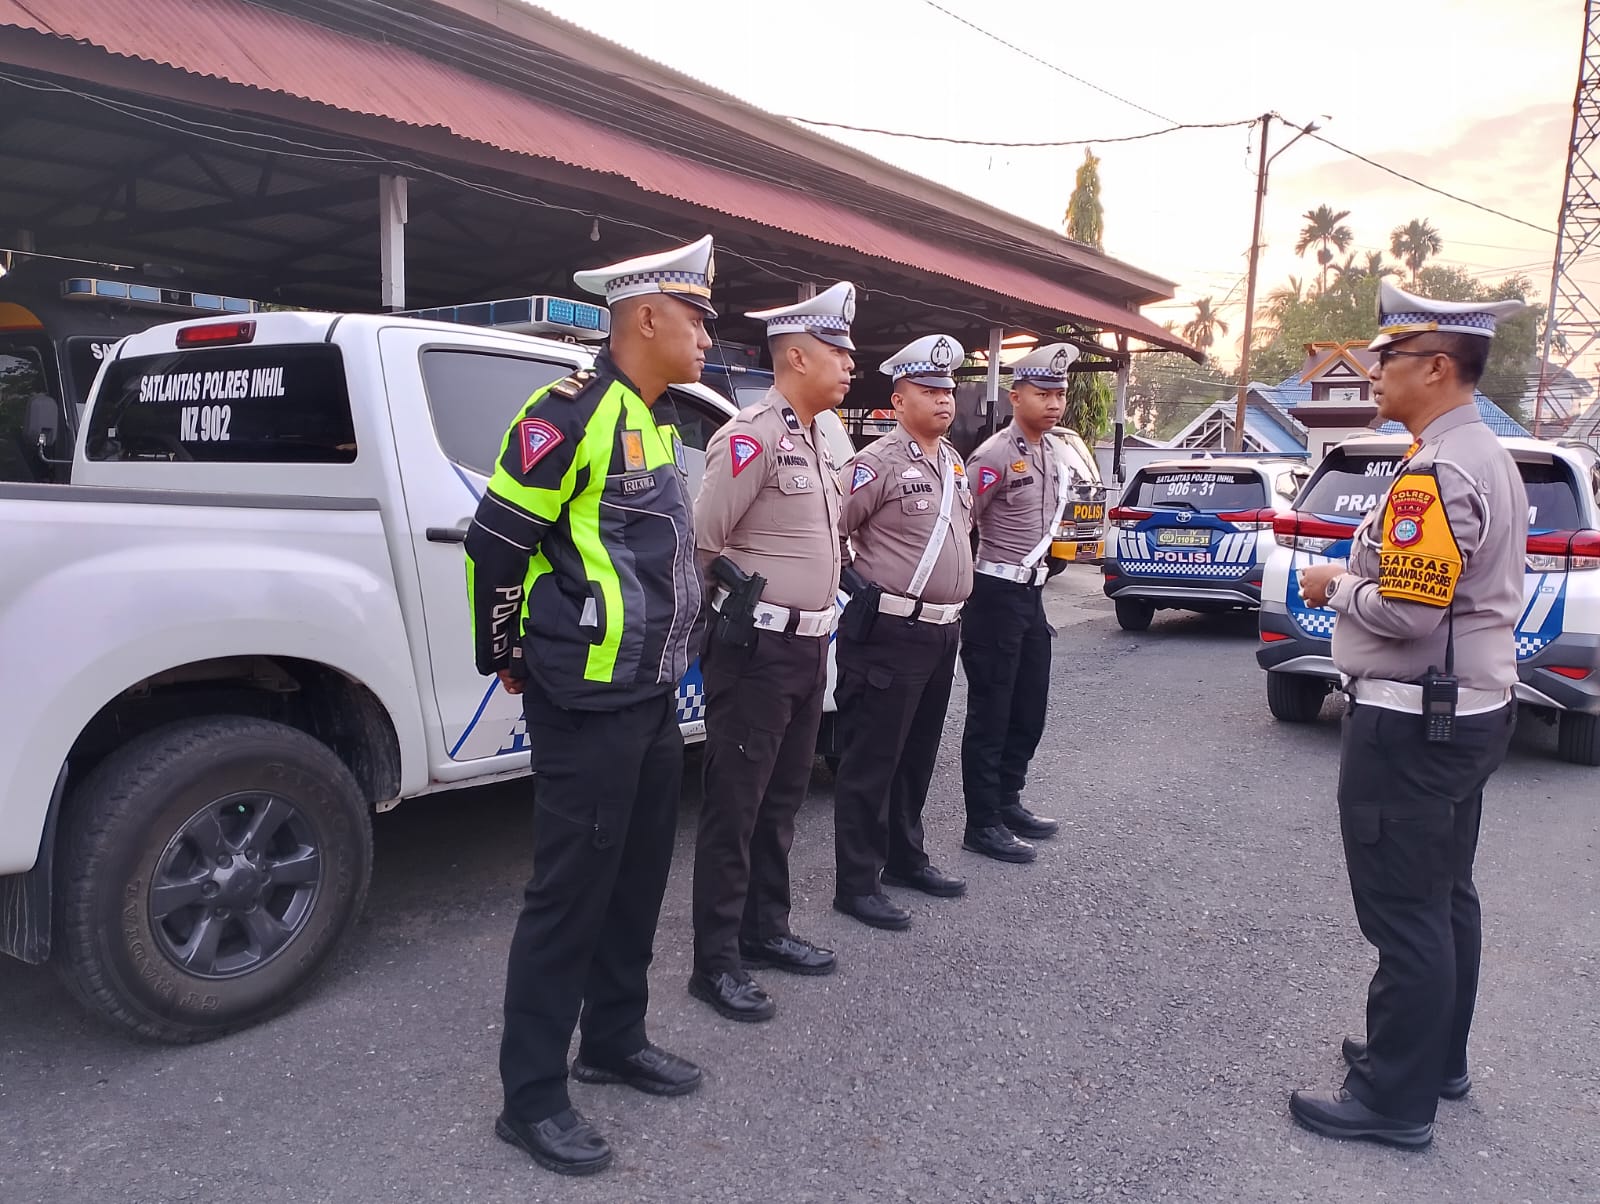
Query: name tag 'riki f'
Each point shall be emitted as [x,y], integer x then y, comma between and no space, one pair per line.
[1418,560]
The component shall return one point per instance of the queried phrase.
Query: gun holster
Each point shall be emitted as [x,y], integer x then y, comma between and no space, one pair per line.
[736,618]
[862,612]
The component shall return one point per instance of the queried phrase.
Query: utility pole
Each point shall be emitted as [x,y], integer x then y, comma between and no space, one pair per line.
[1255,255]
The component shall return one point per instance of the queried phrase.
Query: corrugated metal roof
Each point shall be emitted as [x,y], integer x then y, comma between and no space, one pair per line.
[258,48]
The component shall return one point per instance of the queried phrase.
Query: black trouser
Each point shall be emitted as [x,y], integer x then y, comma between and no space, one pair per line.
[606,791]
[892,694]
[1409,813]
[763,708]
[1005,653]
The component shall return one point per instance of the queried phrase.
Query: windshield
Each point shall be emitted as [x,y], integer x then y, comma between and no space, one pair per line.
[1207,489]
[22,378]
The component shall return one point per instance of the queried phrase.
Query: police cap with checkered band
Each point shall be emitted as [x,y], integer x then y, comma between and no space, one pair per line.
[683,272]
[1045,366]
[1402,314]
[827,316]
[928,361]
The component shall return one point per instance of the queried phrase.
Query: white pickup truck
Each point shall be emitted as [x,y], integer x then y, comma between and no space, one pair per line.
[242,630]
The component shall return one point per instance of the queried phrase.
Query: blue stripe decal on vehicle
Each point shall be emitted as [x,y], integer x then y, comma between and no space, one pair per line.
[487,694]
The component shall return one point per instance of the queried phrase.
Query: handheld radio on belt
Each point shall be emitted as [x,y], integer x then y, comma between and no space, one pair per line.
[1440,692]
[862,612]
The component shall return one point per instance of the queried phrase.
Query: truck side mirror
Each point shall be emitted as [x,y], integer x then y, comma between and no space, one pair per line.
[43,423]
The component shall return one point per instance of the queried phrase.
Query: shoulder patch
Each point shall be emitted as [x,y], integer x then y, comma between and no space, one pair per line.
[571,386]
[1419,559]
[535,439]
[987,477]
[743,449]
[864,475]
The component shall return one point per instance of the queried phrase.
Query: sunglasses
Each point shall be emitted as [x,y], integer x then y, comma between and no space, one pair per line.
[1387,354]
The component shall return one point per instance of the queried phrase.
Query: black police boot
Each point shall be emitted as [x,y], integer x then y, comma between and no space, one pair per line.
[734,995]
[1025,823]
[998,842]
[930,880]
[564,1143]
[1455,1086]
[876,911]
[652,1070]
[791,953]
[1341,1115]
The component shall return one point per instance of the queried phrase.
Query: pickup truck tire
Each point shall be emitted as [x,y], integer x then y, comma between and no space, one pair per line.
[1578,738]
[1295,697]
[1134,614]
[210,868]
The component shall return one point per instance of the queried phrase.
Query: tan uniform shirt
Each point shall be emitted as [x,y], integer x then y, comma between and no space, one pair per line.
[1487,507]
[770,502]
[891,508]
[1015,492]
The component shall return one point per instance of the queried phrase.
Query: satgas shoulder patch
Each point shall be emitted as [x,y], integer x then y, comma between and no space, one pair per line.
[742,449]
[1418,559]
[536,438]
[987,479]
[863,476]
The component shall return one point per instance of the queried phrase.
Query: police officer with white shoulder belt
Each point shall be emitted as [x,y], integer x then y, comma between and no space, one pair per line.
[1019,484]
[1424,640]
[908,519]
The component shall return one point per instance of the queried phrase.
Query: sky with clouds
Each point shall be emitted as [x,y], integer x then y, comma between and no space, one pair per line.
[1471,96]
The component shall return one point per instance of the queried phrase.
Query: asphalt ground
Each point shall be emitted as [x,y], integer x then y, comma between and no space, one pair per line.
[1123,1019]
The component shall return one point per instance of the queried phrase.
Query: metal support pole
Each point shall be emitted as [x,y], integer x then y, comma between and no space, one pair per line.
[392,241]
[1120,420]
[991,384]
[1250,290]
[806,292]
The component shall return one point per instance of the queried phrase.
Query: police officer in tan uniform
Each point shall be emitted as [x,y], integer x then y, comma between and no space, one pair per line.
[908,517]
[769,507]
[1424,639]
[1019,486]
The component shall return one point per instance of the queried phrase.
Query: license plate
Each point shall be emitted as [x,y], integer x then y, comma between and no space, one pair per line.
[1169,537]
[1089,550]
[1088,512]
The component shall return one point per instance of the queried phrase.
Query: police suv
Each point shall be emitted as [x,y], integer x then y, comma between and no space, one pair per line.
[1193,534]
[1557,634]
[244,626]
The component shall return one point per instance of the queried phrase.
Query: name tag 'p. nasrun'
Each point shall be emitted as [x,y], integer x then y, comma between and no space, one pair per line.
[1418,560]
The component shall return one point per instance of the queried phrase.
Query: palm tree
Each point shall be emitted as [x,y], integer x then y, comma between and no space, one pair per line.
[1323,230]
[1203,328]
[1281,300]
[1375,267]
[1414,243]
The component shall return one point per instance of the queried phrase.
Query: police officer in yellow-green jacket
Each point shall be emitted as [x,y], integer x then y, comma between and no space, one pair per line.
[586,601]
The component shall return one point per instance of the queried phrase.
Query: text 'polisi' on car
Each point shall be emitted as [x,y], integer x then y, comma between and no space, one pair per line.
[1557,633]
[1193,534]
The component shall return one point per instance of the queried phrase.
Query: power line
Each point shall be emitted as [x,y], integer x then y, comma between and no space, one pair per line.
[1173,129]
[1420,184]
[994,37]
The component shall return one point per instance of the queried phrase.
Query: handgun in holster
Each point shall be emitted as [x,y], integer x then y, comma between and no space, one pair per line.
[736,618]
[862,612]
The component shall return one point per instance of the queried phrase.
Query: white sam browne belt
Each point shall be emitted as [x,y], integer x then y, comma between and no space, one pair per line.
[1022,574]
[1407,696]
[938,613]
[778,618]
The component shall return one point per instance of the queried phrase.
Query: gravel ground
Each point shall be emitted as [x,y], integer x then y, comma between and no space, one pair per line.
[1121,1020]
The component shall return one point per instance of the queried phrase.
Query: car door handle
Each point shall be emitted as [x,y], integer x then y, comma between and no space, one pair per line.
[447,535]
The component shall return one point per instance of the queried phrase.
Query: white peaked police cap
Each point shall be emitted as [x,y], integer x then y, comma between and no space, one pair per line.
[1402,314]
[930,361]
[683,272]
[826,316]
[1045,366]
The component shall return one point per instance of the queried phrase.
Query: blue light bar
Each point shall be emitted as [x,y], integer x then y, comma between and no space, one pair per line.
[153,296]
[556,317]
